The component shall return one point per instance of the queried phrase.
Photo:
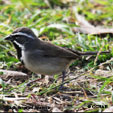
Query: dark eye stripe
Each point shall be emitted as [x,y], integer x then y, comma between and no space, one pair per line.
[22,34]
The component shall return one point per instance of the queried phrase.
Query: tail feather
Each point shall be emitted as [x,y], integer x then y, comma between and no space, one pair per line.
[89,52]
[92,53]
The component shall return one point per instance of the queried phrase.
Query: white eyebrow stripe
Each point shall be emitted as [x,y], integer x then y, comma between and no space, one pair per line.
[22,34]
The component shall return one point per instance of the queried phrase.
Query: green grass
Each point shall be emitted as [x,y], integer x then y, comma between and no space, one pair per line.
[51,24]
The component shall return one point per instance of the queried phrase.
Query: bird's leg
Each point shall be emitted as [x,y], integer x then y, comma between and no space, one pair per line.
[63,77]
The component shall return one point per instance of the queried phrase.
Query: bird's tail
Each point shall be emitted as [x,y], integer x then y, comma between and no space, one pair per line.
[92,53]
[89,52]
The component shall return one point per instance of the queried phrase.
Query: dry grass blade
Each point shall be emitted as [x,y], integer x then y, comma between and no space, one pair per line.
[104,73]
[87,28]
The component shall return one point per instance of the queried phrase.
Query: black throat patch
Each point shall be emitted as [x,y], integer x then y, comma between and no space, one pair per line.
[19,52]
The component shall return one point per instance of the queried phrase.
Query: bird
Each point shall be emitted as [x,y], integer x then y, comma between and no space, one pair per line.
[42,57]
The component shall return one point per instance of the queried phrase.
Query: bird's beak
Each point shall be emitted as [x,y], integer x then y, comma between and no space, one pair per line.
[9,37]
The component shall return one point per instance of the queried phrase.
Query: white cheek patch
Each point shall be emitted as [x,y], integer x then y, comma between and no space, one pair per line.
[22,50]
[20,45]
[22,57]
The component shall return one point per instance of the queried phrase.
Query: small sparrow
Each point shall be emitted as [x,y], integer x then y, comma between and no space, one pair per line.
[40,56]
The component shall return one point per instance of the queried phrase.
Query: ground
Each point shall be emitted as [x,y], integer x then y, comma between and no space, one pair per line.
[82,25]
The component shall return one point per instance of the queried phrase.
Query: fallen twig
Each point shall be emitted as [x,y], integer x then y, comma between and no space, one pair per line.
[6,74]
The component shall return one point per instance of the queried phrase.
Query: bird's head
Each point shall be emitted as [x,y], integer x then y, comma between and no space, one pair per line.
[21,36]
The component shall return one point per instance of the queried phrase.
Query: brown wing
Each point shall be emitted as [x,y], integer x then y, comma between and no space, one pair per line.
[56,51]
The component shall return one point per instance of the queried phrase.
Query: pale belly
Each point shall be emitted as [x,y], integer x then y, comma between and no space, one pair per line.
[46,65]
